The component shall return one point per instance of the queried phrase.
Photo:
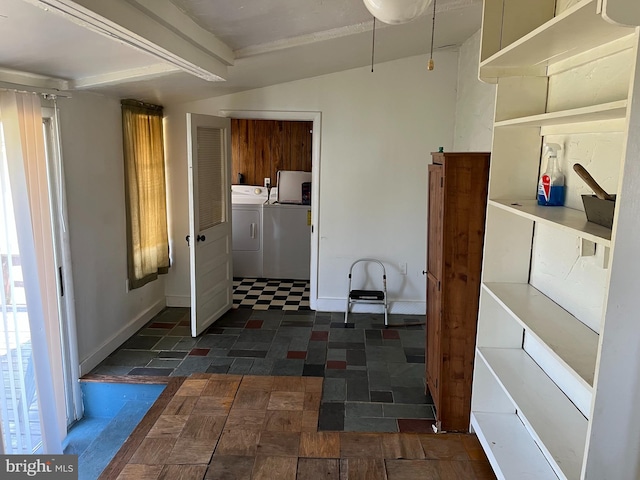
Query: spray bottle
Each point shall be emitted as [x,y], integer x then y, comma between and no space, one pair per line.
[551,185]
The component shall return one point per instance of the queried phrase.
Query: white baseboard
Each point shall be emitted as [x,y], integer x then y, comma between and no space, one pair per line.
[178,301]
[113,342]
[402,307]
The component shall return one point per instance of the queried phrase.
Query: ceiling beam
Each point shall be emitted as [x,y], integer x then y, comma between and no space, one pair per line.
[124,76]
[130,22]
[33,80]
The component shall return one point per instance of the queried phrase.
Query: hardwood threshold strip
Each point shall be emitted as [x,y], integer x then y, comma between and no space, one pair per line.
[132,443]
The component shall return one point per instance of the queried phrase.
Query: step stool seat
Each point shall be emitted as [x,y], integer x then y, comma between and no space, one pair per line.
[366,294]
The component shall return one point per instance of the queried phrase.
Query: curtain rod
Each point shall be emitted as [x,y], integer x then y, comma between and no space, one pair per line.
[137,103]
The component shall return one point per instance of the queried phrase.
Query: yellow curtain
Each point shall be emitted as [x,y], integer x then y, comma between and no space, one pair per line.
[146,198]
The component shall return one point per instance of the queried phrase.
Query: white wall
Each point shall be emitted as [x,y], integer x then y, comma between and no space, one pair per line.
[378,130]
[475,103]
[94,171]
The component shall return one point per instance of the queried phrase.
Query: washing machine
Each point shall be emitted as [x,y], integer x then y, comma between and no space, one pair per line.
[246,228]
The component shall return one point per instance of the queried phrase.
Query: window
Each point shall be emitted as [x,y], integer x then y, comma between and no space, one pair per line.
[145,190]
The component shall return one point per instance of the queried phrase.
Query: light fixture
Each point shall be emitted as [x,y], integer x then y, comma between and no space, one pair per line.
[395,12]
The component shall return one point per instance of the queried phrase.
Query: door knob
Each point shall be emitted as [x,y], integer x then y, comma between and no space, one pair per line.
[187,238]
[201,238]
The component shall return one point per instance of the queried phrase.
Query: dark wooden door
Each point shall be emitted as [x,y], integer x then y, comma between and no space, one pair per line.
[434,277]
[433,331]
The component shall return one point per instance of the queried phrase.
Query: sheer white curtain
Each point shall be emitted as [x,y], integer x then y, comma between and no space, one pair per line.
[31,418]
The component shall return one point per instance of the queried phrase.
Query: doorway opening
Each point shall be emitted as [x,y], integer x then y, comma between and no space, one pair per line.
[315,118]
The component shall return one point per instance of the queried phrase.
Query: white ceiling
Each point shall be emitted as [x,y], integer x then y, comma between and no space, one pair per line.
[267,42]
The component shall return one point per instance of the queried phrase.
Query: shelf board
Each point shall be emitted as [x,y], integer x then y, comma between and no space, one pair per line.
[568,219]
[592,113]
[576,30]
[570,340]
[509,446]
[555,423]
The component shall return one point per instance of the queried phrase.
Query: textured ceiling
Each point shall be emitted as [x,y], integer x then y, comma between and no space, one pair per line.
[244,23]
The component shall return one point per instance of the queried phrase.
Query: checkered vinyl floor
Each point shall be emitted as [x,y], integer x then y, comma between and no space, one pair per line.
[264,294]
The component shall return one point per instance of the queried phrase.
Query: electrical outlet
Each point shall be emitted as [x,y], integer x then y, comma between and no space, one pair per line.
[403,268]
[267,182]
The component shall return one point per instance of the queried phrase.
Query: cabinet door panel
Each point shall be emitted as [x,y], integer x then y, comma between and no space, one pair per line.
[433,331]
[435,220]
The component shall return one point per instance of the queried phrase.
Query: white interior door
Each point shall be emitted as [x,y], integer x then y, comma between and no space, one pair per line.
[210,253]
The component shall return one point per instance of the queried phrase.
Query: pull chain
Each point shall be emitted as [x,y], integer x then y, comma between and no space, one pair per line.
[373,42]
[433,29]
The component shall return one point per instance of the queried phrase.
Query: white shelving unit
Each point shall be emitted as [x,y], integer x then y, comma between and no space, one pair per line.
[552,397]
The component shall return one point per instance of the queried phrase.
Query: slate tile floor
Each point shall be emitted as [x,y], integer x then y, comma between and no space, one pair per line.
[374,377]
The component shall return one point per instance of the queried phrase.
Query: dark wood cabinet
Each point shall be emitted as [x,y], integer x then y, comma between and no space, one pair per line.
[259,148]
[456,218]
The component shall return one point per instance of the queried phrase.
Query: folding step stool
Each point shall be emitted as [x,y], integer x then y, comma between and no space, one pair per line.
[368,296]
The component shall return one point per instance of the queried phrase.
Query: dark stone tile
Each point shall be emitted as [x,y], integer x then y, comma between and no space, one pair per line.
[261,366]
[218,369]
[346,373]
[172,315]
[316,353]
[267,315]
[322,320]
[164,363]
[217,341]
[338,354]
[271,324]
[240,366]
[414,351]
[294,332]
[347,345]
[221,361]
[310,370]
[180,331]
[160,372]
[364,424]
[371,334]
[375,342]
[278,350]
[356,357]
[363,409]
[331,417]
[378,396]
[261,336]
[167,343]
[251,346]
[141,342]
[342,325]
[172,354]
[334,390]
[287,366]
[185,343]
[386,354]
[254,324]
[341,335]
[413,395]
[192,365]
[162,325]
[415,359]
[133,358]
[299,343]
[296,323]
[248,353]
[358,390]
